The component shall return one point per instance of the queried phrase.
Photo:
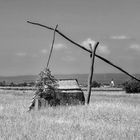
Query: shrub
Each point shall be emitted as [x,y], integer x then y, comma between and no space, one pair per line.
[46,85]
[24,84]
[95,84]
[3,83]
[132,86]
[46,90]
[12,84]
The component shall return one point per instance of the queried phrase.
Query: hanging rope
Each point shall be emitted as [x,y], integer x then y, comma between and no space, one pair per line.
[52,46]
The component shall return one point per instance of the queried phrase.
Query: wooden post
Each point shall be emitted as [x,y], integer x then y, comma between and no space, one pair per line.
[91,71]
[52,45]
[36,104]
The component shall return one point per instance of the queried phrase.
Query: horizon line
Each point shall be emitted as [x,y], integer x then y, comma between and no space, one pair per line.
[64,74]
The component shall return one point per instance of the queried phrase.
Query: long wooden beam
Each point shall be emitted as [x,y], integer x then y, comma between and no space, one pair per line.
[80,46]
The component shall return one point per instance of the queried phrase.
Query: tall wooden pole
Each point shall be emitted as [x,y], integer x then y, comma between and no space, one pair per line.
[52,46]
[91,71]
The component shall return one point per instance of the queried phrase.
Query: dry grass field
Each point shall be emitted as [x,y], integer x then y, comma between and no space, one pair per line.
[110,116]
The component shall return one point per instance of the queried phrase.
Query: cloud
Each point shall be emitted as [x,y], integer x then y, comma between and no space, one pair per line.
[88,41]
[135,47]
[21,54]
[101,48]
[44,51]
[59,46]
[121,37]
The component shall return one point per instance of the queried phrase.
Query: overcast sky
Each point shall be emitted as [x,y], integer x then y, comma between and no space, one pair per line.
[24,48]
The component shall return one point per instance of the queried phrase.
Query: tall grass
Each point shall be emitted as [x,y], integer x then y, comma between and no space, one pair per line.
[99,120]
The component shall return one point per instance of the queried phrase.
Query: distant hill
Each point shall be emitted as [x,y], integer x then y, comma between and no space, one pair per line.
[18,79]
[82,78]
[101,78]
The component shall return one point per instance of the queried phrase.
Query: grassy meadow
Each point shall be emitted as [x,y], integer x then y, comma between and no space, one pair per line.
[110,116]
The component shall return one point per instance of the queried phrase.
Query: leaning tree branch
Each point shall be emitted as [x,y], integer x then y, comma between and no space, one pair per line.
[80,46]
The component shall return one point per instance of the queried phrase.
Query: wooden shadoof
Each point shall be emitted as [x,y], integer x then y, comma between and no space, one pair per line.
[91,51]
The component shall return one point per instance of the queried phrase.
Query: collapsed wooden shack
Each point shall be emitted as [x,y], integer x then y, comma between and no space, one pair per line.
[68,93]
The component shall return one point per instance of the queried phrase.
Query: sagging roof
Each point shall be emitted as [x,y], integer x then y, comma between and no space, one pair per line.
[68,84]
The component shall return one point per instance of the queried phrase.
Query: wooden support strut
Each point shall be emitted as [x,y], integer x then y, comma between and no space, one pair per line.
[91,70]
[80,46]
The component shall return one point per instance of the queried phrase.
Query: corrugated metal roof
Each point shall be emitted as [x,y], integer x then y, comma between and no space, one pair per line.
[68,84]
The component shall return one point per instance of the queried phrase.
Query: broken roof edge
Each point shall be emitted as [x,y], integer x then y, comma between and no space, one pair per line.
[68,84]
[67,79]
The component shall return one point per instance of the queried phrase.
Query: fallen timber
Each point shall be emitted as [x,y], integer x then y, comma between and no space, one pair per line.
[82,47]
